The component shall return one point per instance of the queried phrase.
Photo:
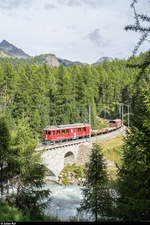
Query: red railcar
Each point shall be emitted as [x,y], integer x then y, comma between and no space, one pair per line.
[115,123]
[54,134]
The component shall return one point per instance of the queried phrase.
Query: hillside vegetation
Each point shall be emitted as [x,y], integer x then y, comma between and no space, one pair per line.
[59,95]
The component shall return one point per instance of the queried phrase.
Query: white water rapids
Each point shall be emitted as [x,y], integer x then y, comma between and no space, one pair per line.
[65,201]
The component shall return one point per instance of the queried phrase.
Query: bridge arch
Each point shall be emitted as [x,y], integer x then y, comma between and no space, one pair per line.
[69,158]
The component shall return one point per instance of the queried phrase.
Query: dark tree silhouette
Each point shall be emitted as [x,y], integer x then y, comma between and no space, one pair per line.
[144,30]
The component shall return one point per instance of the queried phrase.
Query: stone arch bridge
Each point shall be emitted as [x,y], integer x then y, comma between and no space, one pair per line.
[55,157]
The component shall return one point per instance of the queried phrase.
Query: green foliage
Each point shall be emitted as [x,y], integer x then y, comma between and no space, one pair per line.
[51,96]
[11,213]
[134,173]
[77,169]
[22,168]
[96,195]
[5,153]
[65,180]
[29,170]
[8,213]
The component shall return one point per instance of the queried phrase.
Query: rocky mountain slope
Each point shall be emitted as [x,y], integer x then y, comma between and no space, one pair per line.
[103,59]
[10,51]
[4,55]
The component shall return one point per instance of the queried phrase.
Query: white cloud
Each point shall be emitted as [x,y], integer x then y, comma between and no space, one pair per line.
[71,3]
[12,4]
[84,33]
[96,38]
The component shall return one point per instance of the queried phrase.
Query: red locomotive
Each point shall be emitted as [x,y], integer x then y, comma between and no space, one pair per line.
[54,134]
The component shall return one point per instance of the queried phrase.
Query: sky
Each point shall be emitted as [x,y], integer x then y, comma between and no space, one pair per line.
[77,30]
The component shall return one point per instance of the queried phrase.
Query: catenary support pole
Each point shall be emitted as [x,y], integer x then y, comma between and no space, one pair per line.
[90,121]
[122,114]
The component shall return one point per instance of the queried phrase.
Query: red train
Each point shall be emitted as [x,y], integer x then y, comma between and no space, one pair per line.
[52,134]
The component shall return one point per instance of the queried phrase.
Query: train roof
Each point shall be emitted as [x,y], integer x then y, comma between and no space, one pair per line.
[116,120]
[66,126]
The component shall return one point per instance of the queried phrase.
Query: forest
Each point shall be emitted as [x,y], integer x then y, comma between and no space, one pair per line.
[33,96]
[53,96]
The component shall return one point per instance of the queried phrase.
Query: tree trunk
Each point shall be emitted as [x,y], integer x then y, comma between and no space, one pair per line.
[1,175]
[7,197]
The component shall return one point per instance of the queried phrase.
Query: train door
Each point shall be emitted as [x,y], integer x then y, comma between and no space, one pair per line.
[75,133]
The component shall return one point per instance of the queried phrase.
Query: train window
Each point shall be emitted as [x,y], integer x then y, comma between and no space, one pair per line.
[67,131]
[84,128]
[53,132]
[79,129]
[63,131]
[49,132]
[58,132]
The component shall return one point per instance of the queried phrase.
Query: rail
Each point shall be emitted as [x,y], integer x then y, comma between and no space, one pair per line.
[60,144]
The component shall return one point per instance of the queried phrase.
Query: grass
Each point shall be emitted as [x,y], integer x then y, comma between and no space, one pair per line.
[72,171]
[77,169]
[112,148]
[100,123]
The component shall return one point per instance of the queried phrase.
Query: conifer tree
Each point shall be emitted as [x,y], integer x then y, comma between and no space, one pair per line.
[96,195]
[4,152]
[133,202]
[134,174]
[29,170]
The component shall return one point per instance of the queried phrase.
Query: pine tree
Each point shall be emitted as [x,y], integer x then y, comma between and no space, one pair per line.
[134,174]
[29,170]
[96,195]
[4,152]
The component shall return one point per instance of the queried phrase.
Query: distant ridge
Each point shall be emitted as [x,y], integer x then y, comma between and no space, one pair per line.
[103,59]
[11,50]
[8,50]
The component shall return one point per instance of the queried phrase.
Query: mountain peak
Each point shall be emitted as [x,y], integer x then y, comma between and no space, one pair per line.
[4,42]
[103,59]
[11,50]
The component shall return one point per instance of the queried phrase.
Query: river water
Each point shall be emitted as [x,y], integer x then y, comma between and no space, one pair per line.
[65,201]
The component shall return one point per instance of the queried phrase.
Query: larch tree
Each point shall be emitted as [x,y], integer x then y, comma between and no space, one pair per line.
[133,203]
[96,195]
[134,174]
[4,152]
[30,171]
